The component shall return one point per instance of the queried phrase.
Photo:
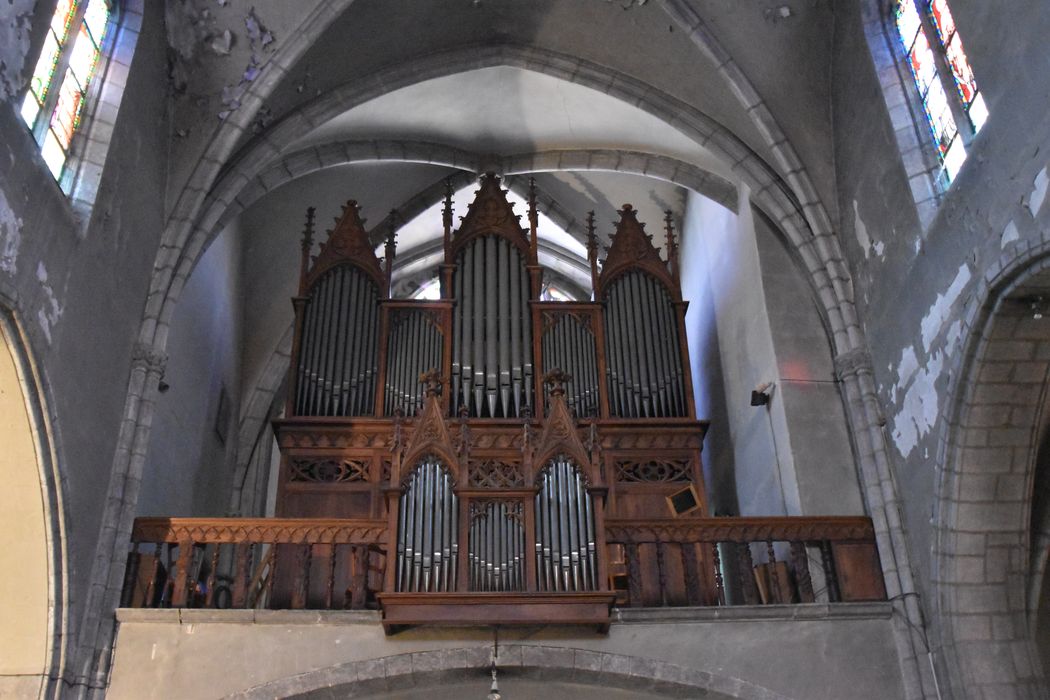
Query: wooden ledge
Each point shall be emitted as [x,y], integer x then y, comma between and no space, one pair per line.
[401,610]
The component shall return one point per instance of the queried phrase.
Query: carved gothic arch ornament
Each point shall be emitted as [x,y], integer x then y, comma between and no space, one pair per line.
[430,436]
[558,436]
[960,654]
[549,663]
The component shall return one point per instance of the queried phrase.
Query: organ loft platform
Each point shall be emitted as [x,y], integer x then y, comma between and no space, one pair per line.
[493,457]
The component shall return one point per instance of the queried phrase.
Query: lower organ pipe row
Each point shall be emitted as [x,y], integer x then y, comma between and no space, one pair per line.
[565,550]
[428,525]
[497,548]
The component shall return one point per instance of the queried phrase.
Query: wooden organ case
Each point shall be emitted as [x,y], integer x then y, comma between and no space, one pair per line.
[493,435]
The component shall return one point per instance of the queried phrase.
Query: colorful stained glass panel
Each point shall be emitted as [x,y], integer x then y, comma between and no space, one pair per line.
[962,72]
[923,67]
[908,22]
[84,57]
[96,18]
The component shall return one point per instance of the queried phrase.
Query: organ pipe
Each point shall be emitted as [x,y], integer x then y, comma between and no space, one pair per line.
[568,344]
[414,347]
[427,547]
[565,545]
[337,367]
[496,547]
[492,330]
[645,373]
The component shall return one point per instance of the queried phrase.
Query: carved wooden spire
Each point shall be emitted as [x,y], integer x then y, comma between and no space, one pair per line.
[559,435]
[672,246]
[534,242]
[348,242]
[631,248]
[390,251]
[446,213]
[491,213]
[592,249]
[307,246]
[431,434]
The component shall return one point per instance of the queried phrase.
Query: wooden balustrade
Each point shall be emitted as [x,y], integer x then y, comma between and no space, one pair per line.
[749,561]
[340,564]
[255,562]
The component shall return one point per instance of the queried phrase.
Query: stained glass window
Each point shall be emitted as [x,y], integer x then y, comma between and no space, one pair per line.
[62,75]
[962,73]
[922,61]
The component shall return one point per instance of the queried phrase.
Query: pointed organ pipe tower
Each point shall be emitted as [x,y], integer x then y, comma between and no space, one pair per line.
[490,434]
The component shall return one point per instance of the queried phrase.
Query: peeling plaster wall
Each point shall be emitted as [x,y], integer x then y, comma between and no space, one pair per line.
[993,209]
[189,465]
[79,288]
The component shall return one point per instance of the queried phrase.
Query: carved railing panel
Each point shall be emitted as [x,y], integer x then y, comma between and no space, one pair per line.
[743,561]
[255,563]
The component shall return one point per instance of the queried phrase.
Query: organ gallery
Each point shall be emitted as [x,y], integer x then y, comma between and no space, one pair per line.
[493,457]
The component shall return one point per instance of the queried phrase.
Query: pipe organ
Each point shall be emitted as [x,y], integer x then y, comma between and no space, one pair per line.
[494,433]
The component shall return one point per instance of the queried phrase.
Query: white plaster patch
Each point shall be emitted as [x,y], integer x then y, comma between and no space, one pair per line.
[906,369]
[10,237]
[879,247]
[1010,234]
[861,231]
[919,407]
[939,312]
[1039,187]
[51,311]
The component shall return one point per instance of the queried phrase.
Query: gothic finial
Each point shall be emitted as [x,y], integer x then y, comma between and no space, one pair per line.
[592,249]
[446,214]
[556,380]
[672,244]
[308,244]
[390,251]
[534,244]
[434,381]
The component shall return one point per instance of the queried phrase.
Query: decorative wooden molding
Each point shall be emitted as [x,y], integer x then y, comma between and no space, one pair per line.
[490,213]
[632,249]
[559,435]
[653,471]
[265,530]
[430,434]
[348,243]
[744,530]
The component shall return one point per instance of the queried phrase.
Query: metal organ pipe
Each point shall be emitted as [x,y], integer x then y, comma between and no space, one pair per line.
[414,348]
[426,540]
[337,355]
[497,540]
[565,553]
[492,334]
[642,349]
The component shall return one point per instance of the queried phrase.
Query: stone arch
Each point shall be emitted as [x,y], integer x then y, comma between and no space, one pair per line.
[33,606]
[997,401]
[792,202]
[392,673]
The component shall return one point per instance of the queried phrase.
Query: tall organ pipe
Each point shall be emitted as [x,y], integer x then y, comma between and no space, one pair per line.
[492,334]
[426,539]
[337,353]
[645,372]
